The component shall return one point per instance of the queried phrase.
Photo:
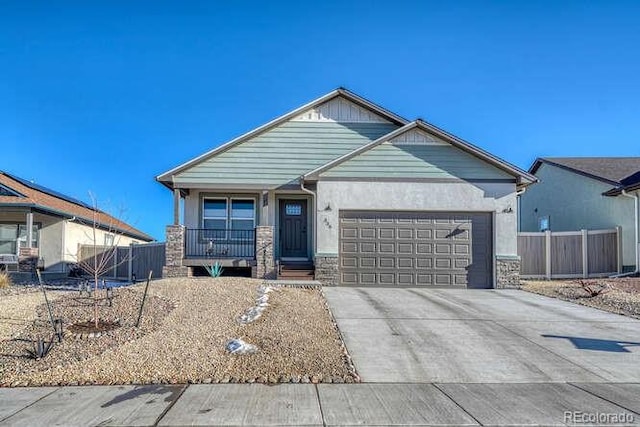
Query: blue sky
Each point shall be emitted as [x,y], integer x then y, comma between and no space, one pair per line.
[103,96]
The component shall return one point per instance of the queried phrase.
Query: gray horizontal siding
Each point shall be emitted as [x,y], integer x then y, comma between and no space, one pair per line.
[416,161]
[282,154]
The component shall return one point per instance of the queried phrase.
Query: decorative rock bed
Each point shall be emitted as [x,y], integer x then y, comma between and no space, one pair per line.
[186,324]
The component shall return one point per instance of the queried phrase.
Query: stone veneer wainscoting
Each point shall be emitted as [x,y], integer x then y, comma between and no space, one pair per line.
[327,271]
[507,272]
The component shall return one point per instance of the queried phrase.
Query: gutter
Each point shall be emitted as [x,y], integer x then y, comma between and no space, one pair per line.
[314,216]
[636,214]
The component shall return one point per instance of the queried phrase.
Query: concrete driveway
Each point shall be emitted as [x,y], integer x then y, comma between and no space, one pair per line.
[482,336]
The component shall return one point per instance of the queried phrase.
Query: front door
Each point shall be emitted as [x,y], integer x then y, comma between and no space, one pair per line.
[293,228]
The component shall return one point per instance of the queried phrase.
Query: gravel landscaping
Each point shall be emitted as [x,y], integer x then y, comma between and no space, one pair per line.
[186,325]
[621,296]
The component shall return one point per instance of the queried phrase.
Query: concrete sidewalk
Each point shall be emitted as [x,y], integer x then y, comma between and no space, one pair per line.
[457,404]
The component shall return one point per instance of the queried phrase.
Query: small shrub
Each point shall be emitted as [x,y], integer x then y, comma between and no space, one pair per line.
[5,280]
[214,270]
[593,288]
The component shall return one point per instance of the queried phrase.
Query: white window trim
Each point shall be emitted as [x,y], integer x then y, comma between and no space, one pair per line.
[226,211]
[228,220]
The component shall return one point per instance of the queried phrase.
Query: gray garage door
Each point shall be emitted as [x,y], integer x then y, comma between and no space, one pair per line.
[416,249]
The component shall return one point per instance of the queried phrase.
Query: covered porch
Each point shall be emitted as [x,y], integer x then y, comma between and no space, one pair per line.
[250,228]
[20,237]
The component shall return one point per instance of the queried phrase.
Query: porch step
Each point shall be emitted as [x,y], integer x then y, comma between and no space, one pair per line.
[296,271]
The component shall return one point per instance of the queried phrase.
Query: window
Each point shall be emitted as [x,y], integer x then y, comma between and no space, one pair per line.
[214,214]
[293,209]
[108,239]
[14,236]
[242,215]
[229,214]
[543,223]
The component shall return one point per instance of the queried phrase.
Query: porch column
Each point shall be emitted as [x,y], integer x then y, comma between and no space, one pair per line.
[29,229]
[28,255]
[174,253]
[265,267]
[176,206]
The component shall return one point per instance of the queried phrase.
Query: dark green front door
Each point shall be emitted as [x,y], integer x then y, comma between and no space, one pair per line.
[293,228]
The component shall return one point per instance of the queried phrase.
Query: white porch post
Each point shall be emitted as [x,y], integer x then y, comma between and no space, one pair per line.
[176,206]
[29,229]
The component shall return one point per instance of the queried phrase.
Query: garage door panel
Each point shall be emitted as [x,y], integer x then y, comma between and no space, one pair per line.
[368,247]
[424,279]
[367,263]
[386,233]
[368,233]
[348,261]
[387,278]
[405,279]
[405,262]
[386,262]
[387,248]
[405,248]
[349,278]
[422,263]
[424,248]
[348,232]
[415,248]
[349,248]
[405,233]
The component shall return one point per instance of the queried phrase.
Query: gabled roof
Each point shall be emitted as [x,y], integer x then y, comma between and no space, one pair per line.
[612,170]
[31,195]
[166,178]
[621,172]
[523,177]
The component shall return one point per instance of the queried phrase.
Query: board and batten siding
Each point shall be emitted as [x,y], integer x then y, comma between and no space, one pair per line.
[281,155]
[340,110]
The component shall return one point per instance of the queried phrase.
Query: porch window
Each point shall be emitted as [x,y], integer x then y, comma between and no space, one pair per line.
[229,214]
[214,214]
[243,214]
[14,236]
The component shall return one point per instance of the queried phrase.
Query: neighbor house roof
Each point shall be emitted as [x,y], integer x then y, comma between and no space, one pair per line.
[22,193]
[167,177]
[522,176]
[621,172]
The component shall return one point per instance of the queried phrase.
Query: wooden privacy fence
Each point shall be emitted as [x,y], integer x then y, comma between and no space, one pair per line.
[570,254]
[127,262]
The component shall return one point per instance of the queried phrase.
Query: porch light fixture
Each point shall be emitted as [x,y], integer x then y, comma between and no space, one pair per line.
[327,208]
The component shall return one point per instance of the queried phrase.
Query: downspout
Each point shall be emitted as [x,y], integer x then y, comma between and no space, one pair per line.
[636,214]
[518,203]
[313,215]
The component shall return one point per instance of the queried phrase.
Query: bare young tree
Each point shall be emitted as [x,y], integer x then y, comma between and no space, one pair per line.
[103,257]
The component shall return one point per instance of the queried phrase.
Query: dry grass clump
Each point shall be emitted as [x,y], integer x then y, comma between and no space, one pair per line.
[5,280]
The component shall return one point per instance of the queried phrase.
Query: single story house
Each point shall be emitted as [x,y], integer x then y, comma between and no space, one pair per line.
[576,193]
[44,227]
[353,191]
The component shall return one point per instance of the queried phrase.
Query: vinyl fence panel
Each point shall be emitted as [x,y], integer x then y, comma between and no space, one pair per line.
[570,254]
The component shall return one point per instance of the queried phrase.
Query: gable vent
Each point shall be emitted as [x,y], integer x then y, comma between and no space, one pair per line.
[339,110]
[417,137]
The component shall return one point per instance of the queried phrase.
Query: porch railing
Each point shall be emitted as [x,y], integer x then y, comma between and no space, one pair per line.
[215,243]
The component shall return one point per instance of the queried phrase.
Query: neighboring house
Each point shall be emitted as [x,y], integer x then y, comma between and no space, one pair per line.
[577,193]
[43,226]
[355,191]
